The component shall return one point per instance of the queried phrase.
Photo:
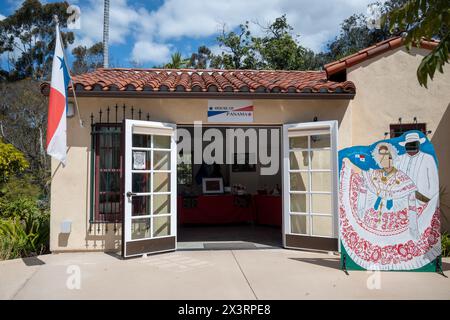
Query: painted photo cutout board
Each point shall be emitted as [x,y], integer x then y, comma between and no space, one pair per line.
[389,205]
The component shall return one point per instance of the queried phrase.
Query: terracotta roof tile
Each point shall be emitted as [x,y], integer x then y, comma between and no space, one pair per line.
[214,80]
[370,52]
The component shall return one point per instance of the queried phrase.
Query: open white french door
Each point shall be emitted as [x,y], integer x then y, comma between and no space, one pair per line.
[310,185]
[149,188]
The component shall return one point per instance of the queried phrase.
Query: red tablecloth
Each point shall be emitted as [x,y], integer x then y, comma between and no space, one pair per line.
[215,209]
[268,209]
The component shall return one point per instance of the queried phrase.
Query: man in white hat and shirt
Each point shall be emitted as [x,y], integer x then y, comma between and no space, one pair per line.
[419,166]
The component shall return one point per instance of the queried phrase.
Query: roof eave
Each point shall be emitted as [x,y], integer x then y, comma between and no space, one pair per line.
[214,95]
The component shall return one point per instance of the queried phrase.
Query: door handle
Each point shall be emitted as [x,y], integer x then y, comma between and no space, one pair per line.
[131,194]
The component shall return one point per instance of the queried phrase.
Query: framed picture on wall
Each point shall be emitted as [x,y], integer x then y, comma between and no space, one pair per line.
[212,185]
[247,160]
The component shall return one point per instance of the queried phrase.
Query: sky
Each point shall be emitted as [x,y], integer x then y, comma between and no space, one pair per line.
[148,32]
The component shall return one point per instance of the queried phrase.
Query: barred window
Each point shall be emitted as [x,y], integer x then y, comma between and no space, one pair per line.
[108,172]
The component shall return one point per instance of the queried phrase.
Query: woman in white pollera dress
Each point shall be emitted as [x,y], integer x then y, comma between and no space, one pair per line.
[387,192]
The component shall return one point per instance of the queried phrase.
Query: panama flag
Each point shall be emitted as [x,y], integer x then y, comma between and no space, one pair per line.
[56,122]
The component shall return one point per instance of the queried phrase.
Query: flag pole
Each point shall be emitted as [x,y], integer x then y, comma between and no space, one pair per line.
[55,18]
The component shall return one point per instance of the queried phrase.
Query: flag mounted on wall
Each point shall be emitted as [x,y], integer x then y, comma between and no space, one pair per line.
[56,122]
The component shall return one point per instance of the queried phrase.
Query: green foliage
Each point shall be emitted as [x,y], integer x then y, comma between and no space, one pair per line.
[177,62]
[445,242]
[24,228]
[12,161]
[87,59]
[199,59]
[23,123]
[424,19]
[30,33]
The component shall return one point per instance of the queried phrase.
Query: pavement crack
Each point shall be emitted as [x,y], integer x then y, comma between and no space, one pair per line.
[13,297]
[245,277]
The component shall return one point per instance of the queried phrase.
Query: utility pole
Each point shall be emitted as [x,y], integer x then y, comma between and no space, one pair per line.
[106,34]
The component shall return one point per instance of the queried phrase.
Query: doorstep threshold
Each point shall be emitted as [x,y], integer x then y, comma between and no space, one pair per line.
[223,245]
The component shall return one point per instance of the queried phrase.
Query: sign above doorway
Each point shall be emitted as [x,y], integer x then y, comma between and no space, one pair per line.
[230,111]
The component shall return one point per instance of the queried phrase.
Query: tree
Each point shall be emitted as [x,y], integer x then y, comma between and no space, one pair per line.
[280,50]
[28,38]
[424,19]
[177,62]
[201,58]
[238,51]
[87,59]
[356,34]
[23,123]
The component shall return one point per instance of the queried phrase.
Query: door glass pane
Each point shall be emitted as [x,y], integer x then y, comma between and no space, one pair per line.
[140,206]
[321,203]
[322,226]
[161,226]
[299,202]
[161,204]
[161,142]
[140,228]
[141,182]
[299,224]
[161,182]
[298,142]
[320,141]
[321,181]
[161,160]
[142,141]
[299,181]
[298,160]
[142,160]
[320,159]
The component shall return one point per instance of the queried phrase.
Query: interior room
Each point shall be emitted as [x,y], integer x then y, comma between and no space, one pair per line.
[227,205]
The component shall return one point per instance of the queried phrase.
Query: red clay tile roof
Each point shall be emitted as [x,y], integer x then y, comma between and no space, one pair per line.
[197,82]
[370,52]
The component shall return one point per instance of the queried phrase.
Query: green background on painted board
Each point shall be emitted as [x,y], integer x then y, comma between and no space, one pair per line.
[352,265]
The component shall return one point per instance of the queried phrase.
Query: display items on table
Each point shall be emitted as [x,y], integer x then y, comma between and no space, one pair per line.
[389,205]
[238,189]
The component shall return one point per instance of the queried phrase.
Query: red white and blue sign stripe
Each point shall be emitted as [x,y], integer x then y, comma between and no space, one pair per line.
[56,122]
[227,111]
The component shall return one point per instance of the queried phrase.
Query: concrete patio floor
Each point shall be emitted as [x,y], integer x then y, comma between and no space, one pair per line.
[210,274]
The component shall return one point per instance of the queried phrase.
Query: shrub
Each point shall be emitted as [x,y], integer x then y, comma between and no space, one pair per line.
[24,229]
[445,240]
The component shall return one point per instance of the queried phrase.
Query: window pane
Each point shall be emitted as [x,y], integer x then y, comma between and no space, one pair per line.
[299,224]
[142,141]
[298,142]
[299,202]
[320,141]
[141,182]
[320,159]
[161,226]
[140,228]
[322,226]
[321,203]
[140,206]
[161,142]
[299,181]
[321,181]
[161,182]
[142,160]
[161,160]
[298,160]
[161,204]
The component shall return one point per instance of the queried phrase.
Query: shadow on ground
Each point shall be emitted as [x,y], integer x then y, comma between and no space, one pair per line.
[32,261]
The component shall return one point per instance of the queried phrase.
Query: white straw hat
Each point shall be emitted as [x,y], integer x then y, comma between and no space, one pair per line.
[412,137]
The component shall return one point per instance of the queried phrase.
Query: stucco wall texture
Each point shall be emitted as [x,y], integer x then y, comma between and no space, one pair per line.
[386,89]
